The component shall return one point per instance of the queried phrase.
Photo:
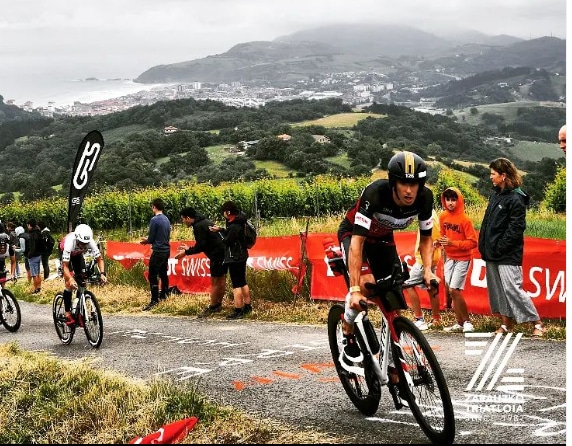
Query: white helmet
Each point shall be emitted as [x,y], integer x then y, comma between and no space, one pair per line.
[83,233]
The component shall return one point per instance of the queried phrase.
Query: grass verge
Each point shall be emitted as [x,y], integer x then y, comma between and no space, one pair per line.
[44,400]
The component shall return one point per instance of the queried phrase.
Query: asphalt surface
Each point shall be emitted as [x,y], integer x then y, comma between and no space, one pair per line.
[285,372]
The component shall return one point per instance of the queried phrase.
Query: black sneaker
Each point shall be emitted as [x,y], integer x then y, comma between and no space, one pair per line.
[210,310]
[237,313]
[37,291]
[351,349]
[150,305]
[247,309]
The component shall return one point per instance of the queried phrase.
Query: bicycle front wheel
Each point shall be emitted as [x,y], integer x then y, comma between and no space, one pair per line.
[10,311]
[422,383]
[364,390]
[65,332]
[93,322]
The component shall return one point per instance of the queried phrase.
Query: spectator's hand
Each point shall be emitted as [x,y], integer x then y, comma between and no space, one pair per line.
[444,241]
[214,228]
[181,251]
[103,279]
[143,241]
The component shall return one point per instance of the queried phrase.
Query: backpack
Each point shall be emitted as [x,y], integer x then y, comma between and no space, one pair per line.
[4,244]
[49,242]
[26,237]
[39,242]
[249,234]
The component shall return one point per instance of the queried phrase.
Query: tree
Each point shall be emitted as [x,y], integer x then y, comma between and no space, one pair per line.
[556,192]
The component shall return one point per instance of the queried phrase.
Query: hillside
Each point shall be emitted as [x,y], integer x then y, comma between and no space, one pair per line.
[383,49]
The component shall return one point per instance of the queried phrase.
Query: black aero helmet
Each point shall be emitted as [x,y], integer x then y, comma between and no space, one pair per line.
[407,167]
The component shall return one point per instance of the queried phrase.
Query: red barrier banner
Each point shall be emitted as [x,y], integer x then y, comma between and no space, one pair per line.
[191,274]
[544,269]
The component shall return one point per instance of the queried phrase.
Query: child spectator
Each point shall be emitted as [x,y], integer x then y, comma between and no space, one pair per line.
[416,276]
[458,238]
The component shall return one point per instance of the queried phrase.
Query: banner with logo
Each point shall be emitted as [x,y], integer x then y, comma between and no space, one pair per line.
[191,274]
[86,159]
[544,269]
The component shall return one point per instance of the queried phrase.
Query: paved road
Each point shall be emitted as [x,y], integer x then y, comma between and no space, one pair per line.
[285,372]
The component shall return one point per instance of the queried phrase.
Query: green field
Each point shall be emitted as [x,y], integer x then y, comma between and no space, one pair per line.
[114,135]
[341,120]
[340,160]
[507,110]
[274,168]
[219,153]
[535,151]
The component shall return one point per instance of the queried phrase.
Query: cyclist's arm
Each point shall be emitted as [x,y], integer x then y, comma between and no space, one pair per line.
[101,266]
[426,251]
[68,276]
[354,268]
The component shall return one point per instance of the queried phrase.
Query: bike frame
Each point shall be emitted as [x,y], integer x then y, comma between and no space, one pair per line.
[386,334]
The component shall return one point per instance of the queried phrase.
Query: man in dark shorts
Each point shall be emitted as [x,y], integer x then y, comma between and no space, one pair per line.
[212,245]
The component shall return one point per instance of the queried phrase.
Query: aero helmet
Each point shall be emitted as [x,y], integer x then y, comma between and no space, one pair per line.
[83,233]
[407,167]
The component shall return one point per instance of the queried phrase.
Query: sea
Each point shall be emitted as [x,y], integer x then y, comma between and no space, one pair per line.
[63,90]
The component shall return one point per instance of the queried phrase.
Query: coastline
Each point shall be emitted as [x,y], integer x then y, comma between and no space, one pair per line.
[45,93]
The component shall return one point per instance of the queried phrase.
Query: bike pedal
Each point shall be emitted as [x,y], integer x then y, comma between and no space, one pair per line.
[397,401]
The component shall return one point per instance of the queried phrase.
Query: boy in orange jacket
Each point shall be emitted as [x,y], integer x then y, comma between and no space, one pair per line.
[458,238]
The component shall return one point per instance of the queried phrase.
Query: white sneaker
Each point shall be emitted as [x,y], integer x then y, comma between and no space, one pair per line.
[454,329]
[421,324]
[468,327]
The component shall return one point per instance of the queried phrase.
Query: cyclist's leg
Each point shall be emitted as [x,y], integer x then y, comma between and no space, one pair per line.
[75,264]
[382,259]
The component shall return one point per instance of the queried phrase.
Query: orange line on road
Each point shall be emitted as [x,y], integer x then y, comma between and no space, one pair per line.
[329,380]
[238,385]
[262,380]
[287,375]
[317,367]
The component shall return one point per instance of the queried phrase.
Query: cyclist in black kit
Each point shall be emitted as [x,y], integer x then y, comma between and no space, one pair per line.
[366,233]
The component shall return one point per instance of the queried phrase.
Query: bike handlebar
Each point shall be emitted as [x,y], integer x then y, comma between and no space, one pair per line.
[381,287]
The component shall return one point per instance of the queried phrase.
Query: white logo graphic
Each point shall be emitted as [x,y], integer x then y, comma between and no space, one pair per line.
[494,362]
[85,165]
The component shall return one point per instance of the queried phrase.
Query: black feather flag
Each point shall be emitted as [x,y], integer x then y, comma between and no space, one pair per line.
[88,154]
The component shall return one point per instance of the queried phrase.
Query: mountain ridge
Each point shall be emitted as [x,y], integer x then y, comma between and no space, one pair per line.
[329,49]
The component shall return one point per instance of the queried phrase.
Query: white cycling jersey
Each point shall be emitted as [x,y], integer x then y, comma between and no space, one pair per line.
[71,247]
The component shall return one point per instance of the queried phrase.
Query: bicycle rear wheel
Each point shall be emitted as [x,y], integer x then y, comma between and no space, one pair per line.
[363,391]
[93,322]
[65,332]
[10,311]
[422,383]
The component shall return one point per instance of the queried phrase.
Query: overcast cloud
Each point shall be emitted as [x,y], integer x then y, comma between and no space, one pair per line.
[122,38]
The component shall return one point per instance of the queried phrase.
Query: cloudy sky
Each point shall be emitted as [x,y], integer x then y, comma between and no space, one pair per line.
[122,38]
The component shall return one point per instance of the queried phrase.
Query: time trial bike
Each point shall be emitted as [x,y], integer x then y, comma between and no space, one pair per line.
[85,311]
[10,314]
[399,349]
